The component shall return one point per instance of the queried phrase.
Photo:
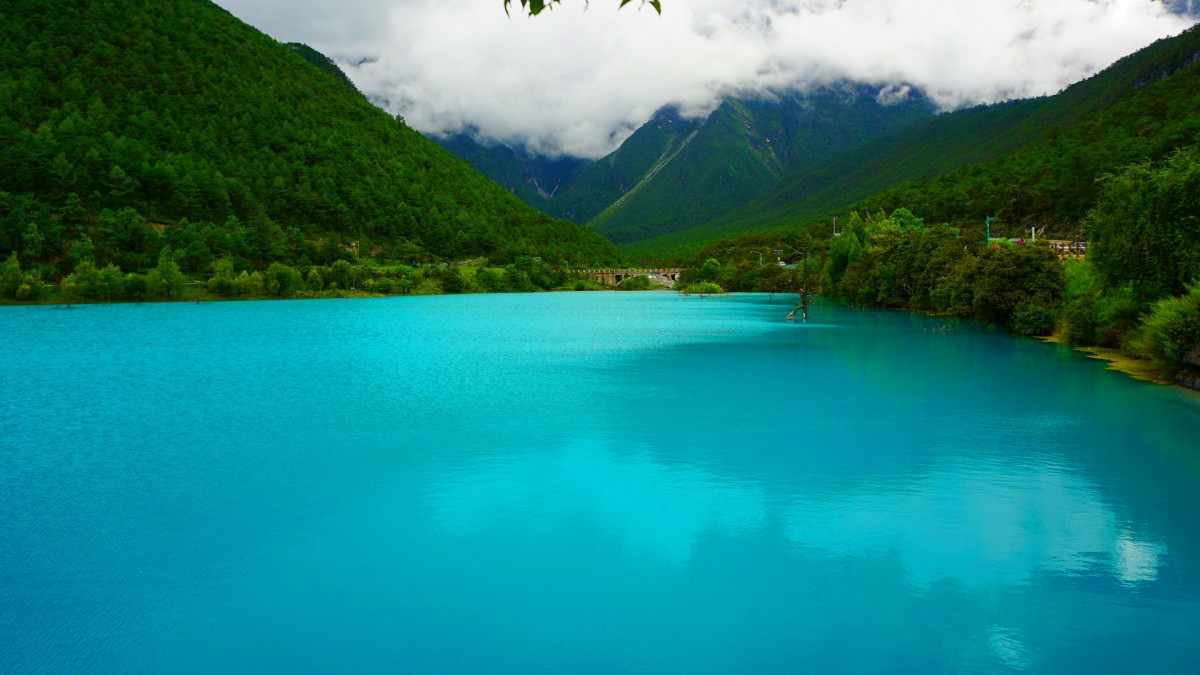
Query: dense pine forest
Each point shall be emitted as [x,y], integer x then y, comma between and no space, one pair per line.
[1032,162]
[168,137]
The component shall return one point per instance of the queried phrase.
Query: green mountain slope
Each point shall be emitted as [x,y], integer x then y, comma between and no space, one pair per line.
[724,162]
[204,132]
[599,185]
[323,62]
[744,147]
[947,142]
[1056,181]
[1031,161]
[534,179]
[571,188]
[674,173]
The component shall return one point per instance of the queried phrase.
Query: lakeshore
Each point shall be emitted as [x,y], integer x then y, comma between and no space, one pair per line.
[1138,369]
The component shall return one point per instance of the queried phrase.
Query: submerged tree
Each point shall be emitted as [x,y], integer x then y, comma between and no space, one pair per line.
[808,271]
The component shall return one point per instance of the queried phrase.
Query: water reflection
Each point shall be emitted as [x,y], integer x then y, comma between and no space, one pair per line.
[1136,561]
[657,511]
[981,524]
[1008,646]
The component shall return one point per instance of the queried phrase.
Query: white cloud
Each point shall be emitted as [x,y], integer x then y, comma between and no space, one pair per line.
[576,82]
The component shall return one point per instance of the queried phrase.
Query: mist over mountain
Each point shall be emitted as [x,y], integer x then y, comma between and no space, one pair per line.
[676,171]
[578,81]
[1032,162]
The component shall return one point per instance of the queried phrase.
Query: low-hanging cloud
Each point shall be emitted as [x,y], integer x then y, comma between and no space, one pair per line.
[576,81]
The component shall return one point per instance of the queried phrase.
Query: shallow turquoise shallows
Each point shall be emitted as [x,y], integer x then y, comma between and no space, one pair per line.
[583,482]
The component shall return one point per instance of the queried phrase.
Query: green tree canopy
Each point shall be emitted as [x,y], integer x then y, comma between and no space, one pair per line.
[1144,230]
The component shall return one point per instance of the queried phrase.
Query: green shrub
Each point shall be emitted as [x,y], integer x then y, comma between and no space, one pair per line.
[1034,318]
[490,280]
[710,269]
[313,282]
[1080,318]
[135,286]
[283,280]
[1119,316]
[702,288]
[587,285]
[1172,329]
[10,277]
[637,283]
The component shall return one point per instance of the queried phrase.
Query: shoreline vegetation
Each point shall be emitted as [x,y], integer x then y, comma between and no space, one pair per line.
[166,282]
[1138,369]
[1133,299]
[196,292]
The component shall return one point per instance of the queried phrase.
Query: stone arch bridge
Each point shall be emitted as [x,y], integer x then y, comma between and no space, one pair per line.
[667,276]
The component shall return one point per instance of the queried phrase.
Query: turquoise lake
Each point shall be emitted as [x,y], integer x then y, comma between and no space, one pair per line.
[583,482]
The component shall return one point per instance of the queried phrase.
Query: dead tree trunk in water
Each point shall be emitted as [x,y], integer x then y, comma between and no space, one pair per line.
[805,282]
[803,307]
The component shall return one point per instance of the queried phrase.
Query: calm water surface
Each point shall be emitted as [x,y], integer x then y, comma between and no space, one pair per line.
[583,483]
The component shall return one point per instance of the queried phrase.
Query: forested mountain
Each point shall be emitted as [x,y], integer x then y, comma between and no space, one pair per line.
[597,186]
[323,62]
[572,188]
[1032,161]
[979,134]
[127,126]
[533,178]
[745,146]
[675,173]
[1113,162]
[1056,181]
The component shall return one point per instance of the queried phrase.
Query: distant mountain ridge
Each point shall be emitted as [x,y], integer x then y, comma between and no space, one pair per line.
[674,173]
[1094,139]
[755,163]
[533,178]
[945,142]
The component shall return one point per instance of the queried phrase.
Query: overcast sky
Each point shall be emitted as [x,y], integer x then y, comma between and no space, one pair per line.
[576,81]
